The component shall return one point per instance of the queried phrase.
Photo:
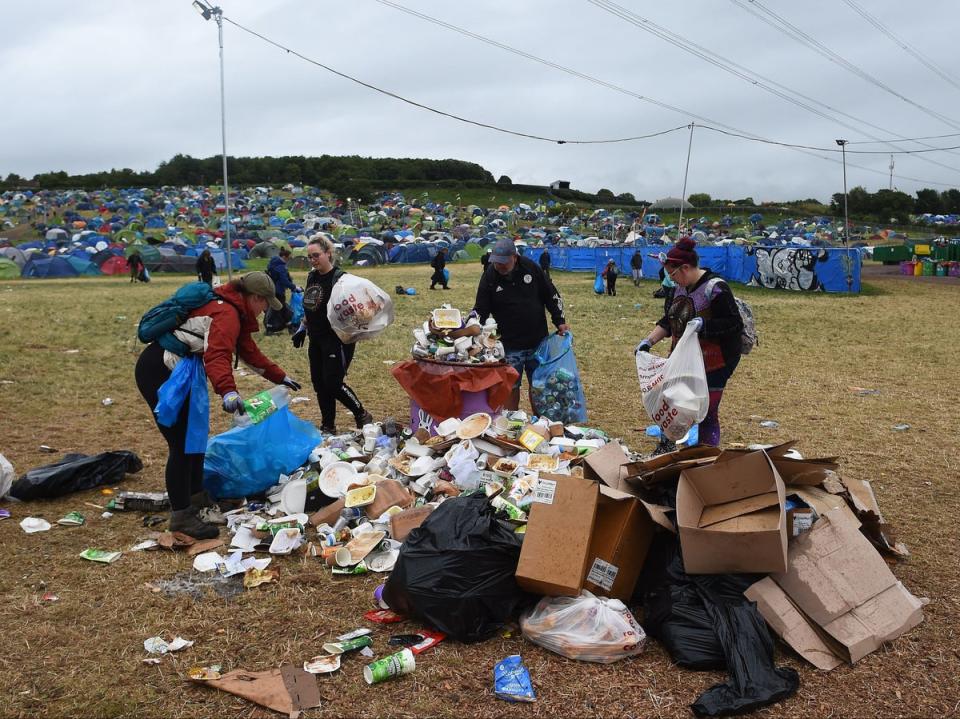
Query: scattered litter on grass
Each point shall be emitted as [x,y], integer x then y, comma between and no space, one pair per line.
[205,674]
[106,401]
[902,427]
[150,660]
[255,576]
[157,645]
[145,544]
[864,392]
[4,514]
[72,519]
[100,555]
[47,449]
[49,597]
[71,352]
[298,400]
[106,515]
[769,424]
[511,680]
[32,525]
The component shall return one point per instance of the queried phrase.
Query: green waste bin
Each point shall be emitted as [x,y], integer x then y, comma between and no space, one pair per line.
[929,268]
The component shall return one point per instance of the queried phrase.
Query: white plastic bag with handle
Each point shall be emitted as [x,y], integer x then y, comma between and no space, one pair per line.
[674,390]
[358,309]
[587,628]
[7,476]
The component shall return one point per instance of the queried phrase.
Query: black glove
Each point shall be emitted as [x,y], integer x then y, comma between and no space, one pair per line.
[644,346]
[299,337]
[291,383]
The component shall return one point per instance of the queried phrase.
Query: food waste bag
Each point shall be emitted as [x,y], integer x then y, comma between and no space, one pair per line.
[674,390]
[358,309]
[455,572]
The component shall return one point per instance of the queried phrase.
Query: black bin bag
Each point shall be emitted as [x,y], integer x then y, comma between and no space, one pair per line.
[455,572]
[75,473]
[705,622]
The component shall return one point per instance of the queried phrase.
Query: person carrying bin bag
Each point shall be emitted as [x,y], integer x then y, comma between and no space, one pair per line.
[219,322]
[704,301]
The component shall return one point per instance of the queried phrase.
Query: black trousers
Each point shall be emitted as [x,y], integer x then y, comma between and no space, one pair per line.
[184,472]
[438,278]
[329,361]
[611,285]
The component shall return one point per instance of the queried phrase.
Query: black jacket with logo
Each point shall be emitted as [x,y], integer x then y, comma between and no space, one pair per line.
[517,302]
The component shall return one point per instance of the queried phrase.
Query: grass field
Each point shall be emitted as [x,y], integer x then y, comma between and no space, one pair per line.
[67,345]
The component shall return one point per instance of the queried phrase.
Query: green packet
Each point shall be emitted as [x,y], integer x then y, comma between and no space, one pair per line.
[72,519]
[100,555]
[260,406]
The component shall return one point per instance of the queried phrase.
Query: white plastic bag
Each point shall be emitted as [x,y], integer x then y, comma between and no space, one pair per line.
[358,309]
[7,476]
[587,628]
[675,389]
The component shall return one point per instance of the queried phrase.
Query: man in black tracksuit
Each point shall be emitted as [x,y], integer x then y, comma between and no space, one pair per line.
[516,292]
[438,263]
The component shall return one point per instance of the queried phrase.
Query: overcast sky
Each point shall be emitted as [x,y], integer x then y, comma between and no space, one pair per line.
[94,85]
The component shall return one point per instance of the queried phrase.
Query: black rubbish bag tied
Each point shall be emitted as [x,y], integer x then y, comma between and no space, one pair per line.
[75,473]
[705,622]
[456,571]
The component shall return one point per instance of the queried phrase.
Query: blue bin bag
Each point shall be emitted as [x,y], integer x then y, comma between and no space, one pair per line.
[446,275]
[296,306]
[187,383]
[598,285]
[555,387]
[245,461]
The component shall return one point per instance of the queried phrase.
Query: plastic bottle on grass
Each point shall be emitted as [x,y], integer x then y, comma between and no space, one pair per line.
[261,405]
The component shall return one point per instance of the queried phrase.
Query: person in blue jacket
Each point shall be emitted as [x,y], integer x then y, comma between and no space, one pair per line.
[277,321]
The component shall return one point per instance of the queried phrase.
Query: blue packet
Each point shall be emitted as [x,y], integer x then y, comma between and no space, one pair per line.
[511,680]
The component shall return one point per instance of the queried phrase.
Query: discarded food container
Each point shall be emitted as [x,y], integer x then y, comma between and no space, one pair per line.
[286,540]
[335,479]
[323,664]
[474,425]
[361,496]
[395,665]
[447,319]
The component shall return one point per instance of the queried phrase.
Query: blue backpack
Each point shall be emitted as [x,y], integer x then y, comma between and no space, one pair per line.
[158,323]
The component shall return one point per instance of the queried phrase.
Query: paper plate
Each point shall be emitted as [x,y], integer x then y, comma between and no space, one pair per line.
[474,425]
[335,479]
[293,496]
[382,561]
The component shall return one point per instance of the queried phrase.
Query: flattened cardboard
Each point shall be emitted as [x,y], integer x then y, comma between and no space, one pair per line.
[823,501]
[553,560]
[791,625]
[845,590]
[390,493]
[751,542]
[810,472]
[272,689]
[605,464]
[667,467]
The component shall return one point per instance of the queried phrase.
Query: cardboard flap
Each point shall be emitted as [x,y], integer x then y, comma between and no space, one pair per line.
[743,476]
[663,474]
[659,514]
[604,464]
[761,520]
[720,512]
[804,471]
[823,502]
[861,493]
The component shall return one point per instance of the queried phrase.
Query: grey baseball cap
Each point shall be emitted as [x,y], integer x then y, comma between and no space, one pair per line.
[259,283]
[503,250]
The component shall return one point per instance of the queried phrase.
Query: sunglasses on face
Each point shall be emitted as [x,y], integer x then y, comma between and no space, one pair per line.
[315,255]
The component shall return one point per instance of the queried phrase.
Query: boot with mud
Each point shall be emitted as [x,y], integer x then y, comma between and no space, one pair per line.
[188,522]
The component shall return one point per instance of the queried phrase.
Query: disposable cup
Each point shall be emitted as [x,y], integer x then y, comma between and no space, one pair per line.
[395,665]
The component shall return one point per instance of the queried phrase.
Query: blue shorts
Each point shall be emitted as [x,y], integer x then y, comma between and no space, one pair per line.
[523,361]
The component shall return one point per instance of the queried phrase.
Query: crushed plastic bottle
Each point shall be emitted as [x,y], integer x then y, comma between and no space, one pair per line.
[262,405]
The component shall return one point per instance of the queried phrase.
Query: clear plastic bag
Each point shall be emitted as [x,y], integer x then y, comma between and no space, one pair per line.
[674,389]
[555,387]
[358,309]
[7,475]
[587,628]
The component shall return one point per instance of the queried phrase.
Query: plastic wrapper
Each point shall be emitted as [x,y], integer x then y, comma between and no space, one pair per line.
[511,680]
[358,309]
[296,308]
[587,628]
[555,388]
[245,461]
[674,390]
[75,473]
[456,571]
[7,475]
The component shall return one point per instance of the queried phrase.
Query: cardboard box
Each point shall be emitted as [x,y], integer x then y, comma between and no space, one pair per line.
[731,516]
[390,493]
[402,523]
[797,471]
[667,467]
[553,560]
[328,514]
[844,591]
[603,536]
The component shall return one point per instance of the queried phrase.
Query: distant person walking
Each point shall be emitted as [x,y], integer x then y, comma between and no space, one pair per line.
[438,263]
[545,261]
[206,267]
[636,267]
[135,262]
[276,320]
[610,275]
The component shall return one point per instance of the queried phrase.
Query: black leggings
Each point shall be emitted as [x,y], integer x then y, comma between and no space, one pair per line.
[329,361]
[184,472]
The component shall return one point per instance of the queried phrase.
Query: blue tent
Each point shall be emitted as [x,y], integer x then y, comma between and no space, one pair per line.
[40,267]
[83,266]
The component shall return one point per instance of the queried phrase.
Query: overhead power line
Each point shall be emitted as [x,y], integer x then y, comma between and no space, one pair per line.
[732,131]
[759,10]
[907,47]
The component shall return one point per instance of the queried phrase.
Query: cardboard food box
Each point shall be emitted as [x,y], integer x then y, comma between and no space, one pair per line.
[841,589]
[731,516]
[390,493]
[604,536]
[328,514]
[402,523]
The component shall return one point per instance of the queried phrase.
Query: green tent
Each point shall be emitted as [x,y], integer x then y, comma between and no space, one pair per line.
[473,250]
[148,253]
[9,270]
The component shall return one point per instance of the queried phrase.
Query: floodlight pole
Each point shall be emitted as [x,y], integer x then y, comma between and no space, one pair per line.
[686,172]
[846,215]
[208,11]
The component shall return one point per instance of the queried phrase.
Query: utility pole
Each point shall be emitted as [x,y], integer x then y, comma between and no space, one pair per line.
[891,172]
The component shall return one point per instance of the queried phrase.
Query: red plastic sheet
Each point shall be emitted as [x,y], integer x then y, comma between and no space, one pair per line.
[437,388]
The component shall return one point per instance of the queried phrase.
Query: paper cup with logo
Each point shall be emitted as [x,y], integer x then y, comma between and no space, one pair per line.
[395,665]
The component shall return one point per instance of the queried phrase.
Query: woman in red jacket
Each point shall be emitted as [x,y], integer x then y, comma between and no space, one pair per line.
[216,331]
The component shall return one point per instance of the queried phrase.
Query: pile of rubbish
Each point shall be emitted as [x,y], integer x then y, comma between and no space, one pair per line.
[448,338]
[709,552]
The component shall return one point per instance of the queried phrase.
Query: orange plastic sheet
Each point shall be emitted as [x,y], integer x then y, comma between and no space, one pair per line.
[437,388]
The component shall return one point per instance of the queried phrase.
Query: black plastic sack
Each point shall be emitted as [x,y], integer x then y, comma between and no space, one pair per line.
[705,622]
[455,572]
[74,473]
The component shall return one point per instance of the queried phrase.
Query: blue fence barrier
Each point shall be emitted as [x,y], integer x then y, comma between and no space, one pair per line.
[801,269]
